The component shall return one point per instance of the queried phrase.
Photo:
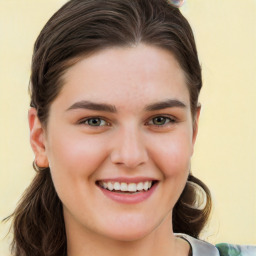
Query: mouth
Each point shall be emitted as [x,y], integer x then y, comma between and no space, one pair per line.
[128,188]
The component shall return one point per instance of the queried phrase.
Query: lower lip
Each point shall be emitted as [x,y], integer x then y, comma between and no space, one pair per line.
[129,198]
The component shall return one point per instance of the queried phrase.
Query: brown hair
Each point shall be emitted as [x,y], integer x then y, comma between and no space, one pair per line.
[79,28]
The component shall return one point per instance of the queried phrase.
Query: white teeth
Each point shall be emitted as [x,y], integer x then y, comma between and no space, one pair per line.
[145,185]
[140,186]
[126,187]
[132,187]
[117,186]
[110,186]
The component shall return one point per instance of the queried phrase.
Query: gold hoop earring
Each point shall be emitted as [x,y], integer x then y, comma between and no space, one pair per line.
[37,168]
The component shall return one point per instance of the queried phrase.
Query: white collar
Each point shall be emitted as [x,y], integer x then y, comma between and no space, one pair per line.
[199,247]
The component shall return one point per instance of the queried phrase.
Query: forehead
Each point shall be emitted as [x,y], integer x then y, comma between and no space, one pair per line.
[136,75]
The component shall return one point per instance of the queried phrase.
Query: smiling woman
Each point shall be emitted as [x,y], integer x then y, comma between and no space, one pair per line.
[113,122]
[137,155]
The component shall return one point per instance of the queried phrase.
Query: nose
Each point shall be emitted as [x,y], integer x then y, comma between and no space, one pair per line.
[129,149]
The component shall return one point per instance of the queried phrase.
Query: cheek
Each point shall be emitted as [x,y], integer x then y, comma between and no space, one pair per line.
[73,160]
[173,153]
[75,156]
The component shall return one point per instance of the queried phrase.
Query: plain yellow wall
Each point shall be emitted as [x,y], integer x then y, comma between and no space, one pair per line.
[225,154]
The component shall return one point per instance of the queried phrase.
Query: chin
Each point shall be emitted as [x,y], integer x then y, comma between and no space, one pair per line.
[130,232]
[129,235]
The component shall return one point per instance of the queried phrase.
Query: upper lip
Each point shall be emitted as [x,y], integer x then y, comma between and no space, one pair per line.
[128,179]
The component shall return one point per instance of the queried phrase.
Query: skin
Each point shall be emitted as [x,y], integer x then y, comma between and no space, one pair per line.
[128,143]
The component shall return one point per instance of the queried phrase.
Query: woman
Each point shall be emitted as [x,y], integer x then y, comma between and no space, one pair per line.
[113,122]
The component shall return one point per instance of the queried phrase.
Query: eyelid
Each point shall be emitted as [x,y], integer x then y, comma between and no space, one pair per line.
[172,121]
[83,120]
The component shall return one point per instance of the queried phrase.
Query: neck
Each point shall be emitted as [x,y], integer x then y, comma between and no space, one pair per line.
[161,241]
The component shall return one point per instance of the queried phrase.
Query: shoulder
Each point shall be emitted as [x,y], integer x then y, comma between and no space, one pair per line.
[202,248]
[236,250]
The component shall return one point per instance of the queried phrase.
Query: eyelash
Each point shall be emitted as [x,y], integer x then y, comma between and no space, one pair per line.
[166,118]
[169,120]
[85,121]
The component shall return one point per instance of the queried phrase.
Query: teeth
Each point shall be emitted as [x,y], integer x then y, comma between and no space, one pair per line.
[116,186]
[140,186]
[110,186]
[126,187]
[132,187]
[145,185]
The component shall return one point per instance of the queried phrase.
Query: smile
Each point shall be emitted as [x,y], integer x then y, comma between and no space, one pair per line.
[126,187]
[128,192]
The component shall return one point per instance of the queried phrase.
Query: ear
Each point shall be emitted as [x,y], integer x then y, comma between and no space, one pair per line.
[195,124]
[37,138]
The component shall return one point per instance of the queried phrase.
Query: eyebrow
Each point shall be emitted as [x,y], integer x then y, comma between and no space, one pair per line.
[84,104]
[170,103]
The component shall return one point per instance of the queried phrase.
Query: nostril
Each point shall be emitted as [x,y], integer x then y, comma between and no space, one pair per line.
[130,151]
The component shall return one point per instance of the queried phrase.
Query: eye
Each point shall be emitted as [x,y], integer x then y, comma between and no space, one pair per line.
[95,121]
[161,121]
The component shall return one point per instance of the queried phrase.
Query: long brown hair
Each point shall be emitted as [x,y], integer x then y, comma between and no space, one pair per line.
[79,28]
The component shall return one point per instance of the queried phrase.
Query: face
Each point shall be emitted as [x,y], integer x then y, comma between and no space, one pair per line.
[118,141]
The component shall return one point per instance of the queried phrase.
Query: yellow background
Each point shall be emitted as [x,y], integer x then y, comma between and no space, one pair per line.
[225,154]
